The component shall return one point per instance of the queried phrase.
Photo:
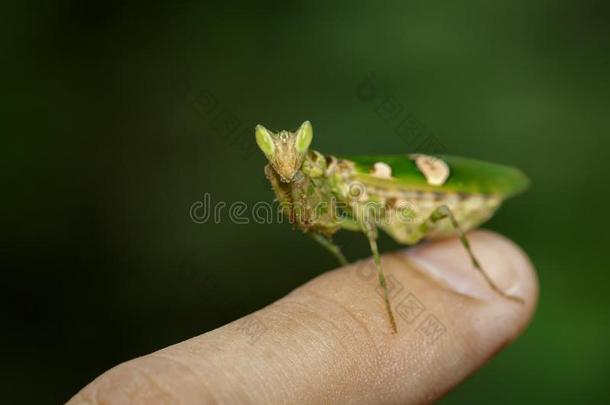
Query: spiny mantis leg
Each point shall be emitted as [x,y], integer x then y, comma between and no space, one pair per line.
[371,234]
[443,212]
[329,245]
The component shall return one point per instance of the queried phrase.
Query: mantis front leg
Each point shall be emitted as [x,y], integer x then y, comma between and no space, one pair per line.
[329,245]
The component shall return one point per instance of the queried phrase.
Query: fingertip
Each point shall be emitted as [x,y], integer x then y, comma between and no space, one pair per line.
[478,321]
[447,262]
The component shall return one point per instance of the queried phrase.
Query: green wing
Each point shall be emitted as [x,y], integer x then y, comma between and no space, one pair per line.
[465,175]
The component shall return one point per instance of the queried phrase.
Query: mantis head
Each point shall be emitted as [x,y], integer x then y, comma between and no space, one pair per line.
[285,150]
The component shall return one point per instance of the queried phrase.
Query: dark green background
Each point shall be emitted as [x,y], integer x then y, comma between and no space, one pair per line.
[116,117]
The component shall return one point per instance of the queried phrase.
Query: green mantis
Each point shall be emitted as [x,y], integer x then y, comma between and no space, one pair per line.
[410,197]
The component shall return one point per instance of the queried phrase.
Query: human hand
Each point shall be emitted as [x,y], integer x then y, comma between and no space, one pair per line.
[329,341]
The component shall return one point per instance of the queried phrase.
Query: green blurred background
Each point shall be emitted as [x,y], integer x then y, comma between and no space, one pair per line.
[118,116]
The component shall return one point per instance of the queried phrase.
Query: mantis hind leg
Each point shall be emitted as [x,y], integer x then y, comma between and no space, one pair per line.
[371,234]
[443,212]
[329,245]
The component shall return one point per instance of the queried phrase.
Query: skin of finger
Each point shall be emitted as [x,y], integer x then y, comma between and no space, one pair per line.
[329,341]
